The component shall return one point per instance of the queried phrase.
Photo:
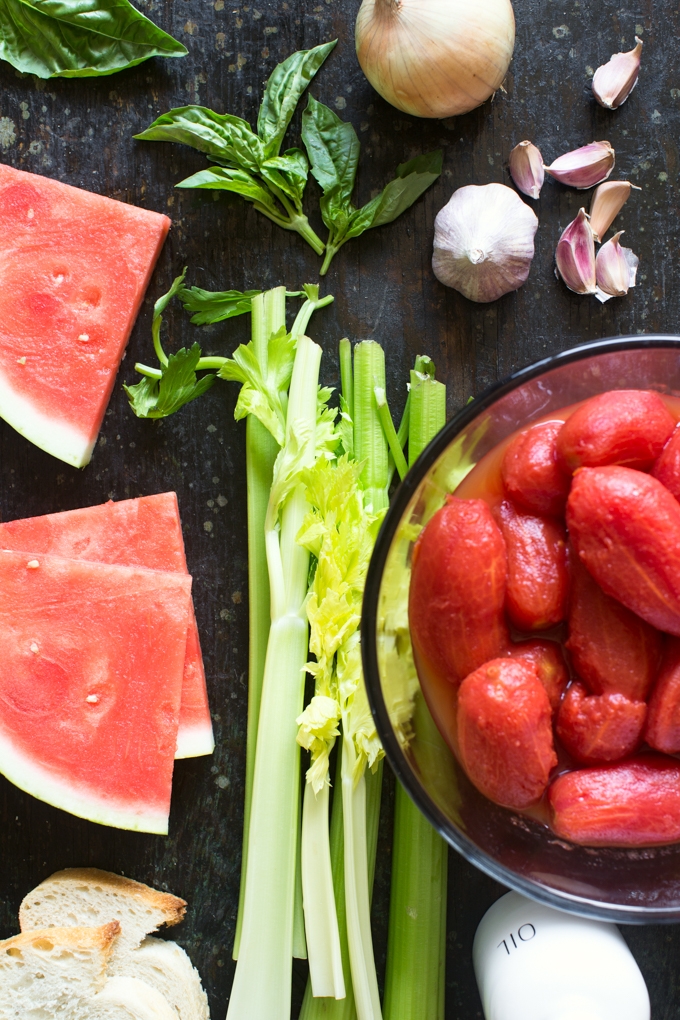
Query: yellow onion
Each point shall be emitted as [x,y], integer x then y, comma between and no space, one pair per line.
[435,58]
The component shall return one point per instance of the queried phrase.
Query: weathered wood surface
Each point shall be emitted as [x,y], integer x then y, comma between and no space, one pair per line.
[80,132]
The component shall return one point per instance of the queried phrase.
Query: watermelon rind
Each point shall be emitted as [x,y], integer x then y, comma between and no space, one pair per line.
[40,782]
[194,741]
[55,437]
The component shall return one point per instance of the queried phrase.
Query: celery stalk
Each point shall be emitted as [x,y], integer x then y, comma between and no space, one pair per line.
[416,946]
[370,445]
[268,316]
[262,982]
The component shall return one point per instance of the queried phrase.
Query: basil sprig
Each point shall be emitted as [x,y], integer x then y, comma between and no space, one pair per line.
[251,164]
[79,38]
[333,149]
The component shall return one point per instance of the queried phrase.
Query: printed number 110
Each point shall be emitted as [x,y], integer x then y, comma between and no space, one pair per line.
[525,933]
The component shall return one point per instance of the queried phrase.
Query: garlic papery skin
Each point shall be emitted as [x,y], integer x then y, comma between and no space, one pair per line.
[435,58]
[584,167]
[484,241]
[616,268]
[614,81]
[575,256]
[607,202]
[526,169]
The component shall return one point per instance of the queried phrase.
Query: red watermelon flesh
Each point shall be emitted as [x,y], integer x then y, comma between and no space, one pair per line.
[91,664]
[145,532]
[73,271]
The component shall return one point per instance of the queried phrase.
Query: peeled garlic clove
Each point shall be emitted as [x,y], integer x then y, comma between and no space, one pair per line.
[615,80]
[575,256]
[616,269]
[584,167]
[607,201]
[484,241]
[526,169]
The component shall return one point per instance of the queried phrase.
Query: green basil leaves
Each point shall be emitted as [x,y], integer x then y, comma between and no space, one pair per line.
[79,38]
[333,149]
[251,165]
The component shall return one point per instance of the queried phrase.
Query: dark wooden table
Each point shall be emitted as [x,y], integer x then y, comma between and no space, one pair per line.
[80,132]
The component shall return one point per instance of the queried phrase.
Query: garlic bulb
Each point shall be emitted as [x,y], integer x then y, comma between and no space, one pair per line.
[435,58]
[484,241]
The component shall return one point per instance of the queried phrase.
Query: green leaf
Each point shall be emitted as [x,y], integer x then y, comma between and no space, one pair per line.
[285,86]
[288,173]
[79,38]
[333,149]
[219,135]
[158,398]
[216,305]
[413,178]
[163,301]
[263,397]
[240,182]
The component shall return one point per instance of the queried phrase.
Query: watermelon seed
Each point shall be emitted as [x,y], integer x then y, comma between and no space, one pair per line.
[21,361]
[33,564]
[34,648]
[92,698]
[84,337]
[30,214]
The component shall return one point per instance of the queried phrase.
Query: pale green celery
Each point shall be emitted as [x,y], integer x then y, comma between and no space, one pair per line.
[427,412]
[396,447]
[370,445]
[416,946]
[268,316]
[346,375]
[262,982]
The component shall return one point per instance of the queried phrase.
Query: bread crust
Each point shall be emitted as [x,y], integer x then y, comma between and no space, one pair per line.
[101,938]
[172,907]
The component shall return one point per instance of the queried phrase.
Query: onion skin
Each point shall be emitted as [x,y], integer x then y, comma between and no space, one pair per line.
[467,46]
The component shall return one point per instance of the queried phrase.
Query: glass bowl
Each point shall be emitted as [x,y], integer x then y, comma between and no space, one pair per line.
[625,885]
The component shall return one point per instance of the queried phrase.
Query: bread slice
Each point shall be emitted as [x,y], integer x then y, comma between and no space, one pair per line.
[79,896]
[125,998]
[44,973]
[166,967]
[86,895]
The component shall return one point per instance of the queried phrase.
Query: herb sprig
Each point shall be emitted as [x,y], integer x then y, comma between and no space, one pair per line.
[251,164]
[333,148]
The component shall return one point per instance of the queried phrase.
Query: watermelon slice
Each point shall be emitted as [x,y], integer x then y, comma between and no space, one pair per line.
[73,271]
[144,532]
[91,665]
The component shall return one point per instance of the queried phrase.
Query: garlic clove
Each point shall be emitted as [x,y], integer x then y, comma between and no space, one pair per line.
[584,167]
[614,81]
[607,201]
[575,256]
[526,169]
[616,269]
[484,241]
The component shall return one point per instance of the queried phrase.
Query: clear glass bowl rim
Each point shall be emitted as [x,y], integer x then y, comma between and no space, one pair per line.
[550,897]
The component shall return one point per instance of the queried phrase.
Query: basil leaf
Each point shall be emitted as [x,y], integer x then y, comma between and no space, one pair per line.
[219,135]
[79,38]
[240,182]
[215,305]
[178,385]
[285,86]
[413,178]
[333,149]
[288,173]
